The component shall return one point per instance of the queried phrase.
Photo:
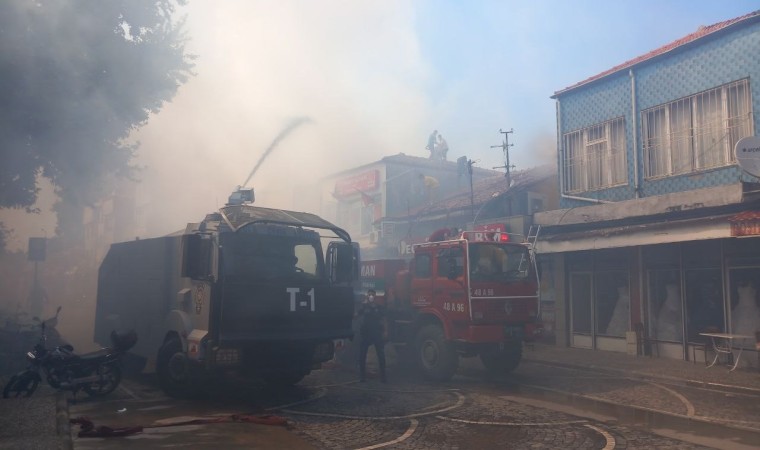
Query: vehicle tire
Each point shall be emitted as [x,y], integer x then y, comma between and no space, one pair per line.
[405,356]
[174,369]
[501,362]
[435,356]
[285,379]
[21,385]
[110,377]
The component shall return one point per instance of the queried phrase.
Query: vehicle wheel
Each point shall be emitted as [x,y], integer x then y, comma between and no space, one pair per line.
[22,385]
[436,358]
[285,379]
[110,377]
[405,356]
[174,370]
[500,362]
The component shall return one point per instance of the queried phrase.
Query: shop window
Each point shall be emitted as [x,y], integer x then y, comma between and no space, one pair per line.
[704,302]
[702,254]
[612,303]
[665,307]
[661,255]
[580,298]
[744,285]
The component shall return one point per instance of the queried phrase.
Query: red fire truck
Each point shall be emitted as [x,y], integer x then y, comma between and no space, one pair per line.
[475,294]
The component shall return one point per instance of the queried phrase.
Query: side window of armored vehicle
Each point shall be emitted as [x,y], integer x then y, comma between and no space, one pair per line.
[450,262]
[237,255]
[422,263]
[306,260]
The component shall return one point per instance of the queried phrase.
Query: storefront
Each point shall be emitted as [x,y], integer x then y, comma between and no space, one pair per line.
[671,290]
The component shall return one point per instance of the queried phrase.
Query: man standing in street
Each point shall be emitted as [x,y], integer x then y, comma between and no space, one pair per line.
[372,331]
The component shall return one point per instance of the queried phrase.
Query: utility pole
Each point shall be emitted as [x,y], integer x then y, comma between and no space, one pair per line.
[472,193]
[505,148]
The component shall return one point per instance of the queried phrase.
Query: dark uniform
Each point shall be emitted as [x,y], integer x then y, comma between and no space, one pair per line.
[372,332]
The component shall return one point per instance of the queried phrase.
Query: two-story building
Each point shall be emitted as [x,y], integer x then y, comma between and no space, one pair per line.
[659,228]
[359,198]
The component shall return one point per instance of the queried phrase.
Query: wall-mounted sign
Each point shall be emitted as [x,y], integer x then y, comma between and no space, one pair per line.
[745,223]
[747,153]
[359,183]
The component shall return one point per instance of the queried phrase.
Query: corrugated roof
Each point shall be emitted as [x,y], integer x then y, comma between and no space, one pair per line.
[484,190]
[746,215]
[408,160]
[701,33]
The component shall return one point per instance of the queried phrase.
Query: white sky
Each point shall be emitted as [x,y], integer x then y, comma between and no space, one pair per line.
[376,77]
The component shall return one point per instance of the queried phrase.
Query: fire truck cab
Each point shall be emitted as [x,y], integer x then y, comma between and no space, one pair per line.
[472,295]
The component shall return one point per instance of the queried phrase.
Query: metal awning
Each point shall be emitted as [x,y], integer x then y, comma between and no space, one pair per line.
[712,227]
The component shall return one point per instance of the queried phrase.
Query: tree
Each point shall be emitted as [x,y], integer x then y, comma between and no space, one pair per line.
[75,79]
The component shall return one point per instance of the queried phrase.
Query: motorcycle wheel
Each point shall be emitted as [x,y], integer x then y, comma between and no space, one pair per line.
[22,385]
[110,377]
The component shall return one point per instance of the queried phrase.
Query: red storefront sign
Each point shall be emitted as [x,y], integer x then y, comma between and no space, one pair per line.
[359,183]
[746,223]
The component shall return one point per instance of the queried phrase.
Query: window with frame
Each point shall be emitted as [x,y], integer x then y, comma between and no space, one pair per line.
[696,132]
[422,265]
[595,157]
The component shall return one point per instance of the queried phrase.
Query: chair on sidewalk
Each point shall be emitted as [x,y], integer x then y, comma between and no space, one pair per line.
[645,344]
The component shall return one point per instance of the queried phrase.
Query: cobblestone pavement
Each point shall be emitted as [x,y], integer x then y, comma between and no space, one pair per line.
[459,415]
[331,410]
[557,398]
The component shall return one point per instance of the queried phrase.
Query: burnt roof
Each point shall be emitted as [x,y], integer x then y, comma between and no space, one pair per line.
[702,33]
[413,161]
[484,190]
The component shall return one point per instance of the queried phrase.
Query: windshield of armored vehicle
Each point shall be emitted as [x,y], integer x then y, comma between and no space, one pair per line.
[497,261]
[257,257]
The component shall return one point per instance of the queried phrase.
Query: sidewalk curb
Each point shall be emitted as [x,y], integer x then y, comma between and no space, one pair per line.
[647,417]
[63,427]
[648,376]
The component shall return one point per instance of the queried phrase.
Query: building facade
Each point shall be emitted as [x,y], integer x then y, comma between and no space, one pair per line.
[365,200]
[657,230]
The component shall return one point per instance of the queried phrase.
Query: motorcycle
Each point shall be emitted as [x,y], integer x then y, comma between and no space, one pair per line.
[97,373]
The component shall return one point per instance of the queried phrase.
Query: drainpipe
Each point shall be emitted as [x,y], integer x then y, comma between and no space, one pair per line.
[634,120]
[560,168]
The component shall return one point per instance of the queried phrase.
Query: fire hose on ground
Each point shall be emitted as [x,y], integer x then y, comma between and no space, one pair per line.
[88,428]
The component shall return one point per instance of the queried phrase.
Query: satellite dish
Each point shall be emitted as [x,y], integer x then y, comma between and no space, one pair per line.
[747,152]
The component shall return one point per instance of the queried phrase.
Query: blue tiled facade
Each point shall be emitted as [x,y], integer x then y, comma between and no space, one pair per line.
[728,55]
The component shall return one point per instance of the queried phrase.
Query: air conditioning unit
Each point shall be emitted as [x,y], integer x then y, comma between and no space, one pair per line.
[374,237]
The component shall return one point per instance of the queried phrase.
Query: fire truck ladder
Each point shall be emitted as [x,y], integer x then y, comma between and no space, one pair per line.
[532,238]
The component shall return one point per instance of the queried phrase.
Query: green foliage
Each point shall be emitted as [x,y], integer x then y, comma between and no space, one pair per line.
[75,79]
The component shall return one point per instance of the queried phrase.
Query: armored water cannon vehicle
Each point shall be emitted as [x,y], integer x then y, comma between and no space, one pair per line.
[262,291]
[463,294]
